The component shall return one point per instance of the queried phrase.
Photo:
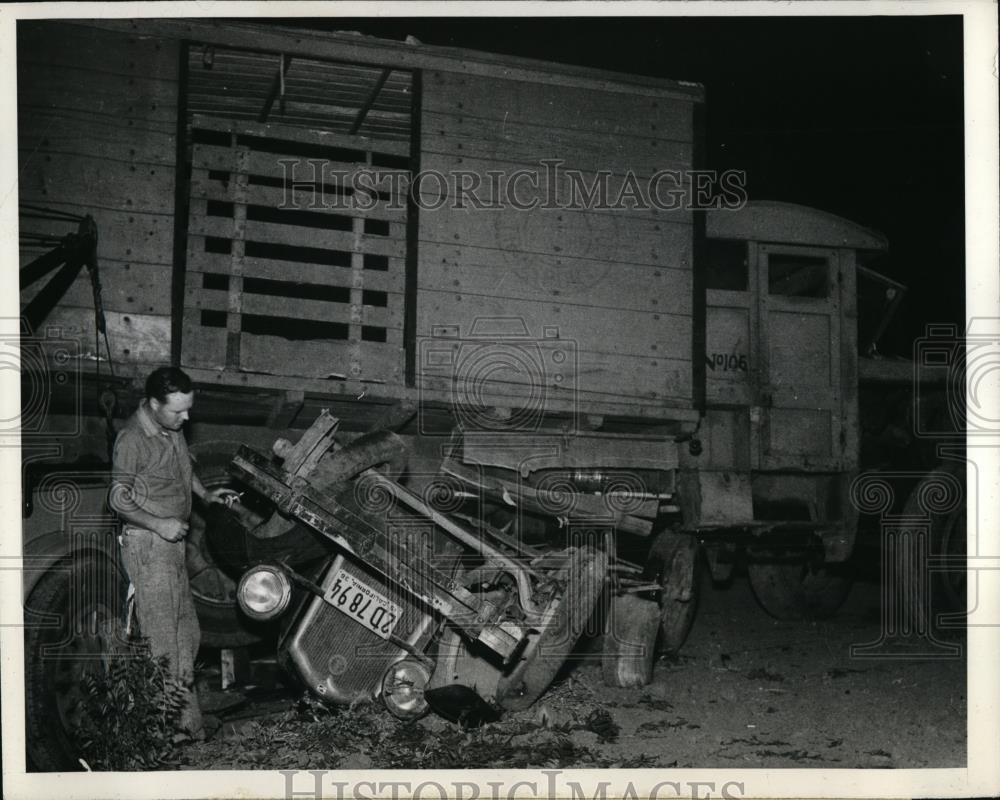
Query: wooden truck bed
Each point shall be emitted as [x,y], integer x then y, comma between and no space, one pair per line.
[207,264]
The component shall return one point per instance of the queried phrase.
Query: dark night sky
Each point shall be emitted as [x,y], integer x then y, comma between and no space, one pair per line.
[858,116]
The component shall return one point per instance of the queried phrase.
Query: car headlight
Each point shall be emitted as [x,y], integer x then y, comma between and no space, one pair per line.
[403,688]
[264,592]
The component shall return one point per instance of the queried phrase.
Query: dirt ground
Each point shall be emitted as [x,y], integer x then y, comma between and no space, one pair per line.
[746,690]
[750,690]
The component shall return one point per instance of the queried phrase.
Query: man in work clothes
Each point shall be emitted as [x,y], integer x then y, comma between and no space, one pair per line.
[151,491]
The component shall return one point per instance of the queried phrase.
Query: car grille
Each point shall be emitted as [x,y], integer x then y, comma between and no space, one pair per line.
[339,659]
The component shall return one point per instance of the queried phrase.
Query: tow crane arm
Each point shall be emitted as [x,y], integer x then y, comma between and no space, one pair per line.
[74,252]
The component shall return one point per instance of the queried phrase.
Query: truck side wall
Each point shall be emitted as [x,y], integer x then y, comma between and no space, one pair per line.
[97,119]
[598,300]
[614,285]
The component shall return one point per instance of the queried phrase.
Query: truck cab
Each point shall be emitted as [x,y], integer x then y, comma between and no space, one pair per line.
[780,437]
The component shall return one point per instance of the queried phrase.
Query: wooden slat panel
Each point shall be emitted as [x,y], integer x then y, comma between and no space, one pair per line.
[376,119]
[390,281]
[97,118]
[148,100]
[393,337]
[135,338]
[527,143]
[295,198]
[799,353]
[801,433]
[615,358]
[84,151]
[208,156]
[345,391]
[292,307]
[108,110]
[276,165]
[552,191]
[273,233]
[396,128]
[204,346]
[127,186]
[850,430]
[82,133]
[104,113]
[315,87]
[76,47]
[609,331]
[728,350]
[613,238]
[243,102]
[307,111]
[585,377]
[124,236]
[271,354]
[92,115]
[295,134]
[576,281]
[556,106]
[137,289]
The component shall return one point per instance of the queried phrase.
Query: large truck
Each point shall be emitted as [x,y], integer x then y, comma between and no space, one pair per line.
[514,266]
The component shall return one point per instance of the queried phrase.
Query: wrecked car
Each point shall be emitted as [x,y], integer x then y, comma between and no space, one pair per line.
[413,602]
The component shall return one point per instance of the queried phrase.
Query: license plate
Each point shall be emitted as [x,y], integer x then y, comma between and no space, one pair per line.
[363,604]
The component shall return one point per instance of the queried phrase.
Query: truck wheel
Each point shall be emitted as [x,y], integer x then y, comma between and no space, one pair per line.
[629,642]
[213,589]
[74,621]
[673,563]
[798,591]
[948,530]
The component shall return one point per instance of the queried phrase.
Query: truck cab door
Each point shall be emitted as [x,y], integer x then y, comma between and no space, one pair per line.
[796,419]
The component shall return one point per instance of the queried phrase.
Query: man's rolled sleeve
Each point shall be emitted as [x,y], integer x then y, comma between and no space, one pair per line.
[126,483]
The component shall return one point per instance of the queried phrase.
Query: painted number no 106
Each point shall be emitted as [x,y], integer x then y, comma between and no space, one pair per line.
[727,362]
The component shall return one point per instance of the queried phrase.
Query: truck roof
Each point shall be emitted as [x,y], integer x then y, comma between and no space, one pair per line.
[790,223]
[357,48]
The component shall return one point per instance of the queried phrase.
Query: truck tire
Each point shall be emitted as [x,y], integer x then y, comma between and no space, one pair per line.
[629,643]
[948,529]
[83,602]
[212,587]
[797,591]
[673,563]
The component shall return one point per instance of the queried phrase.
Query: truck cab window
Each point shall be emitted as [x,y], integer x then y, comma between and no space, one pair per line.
[794,275]
[726,265]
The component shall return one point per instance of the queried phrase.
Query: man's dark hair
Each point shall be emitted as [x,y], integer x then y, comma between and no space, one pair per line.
[166,380]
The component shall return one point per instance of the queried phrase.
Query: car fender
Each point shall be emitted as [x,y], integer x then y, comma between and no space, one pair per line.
[69,514]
